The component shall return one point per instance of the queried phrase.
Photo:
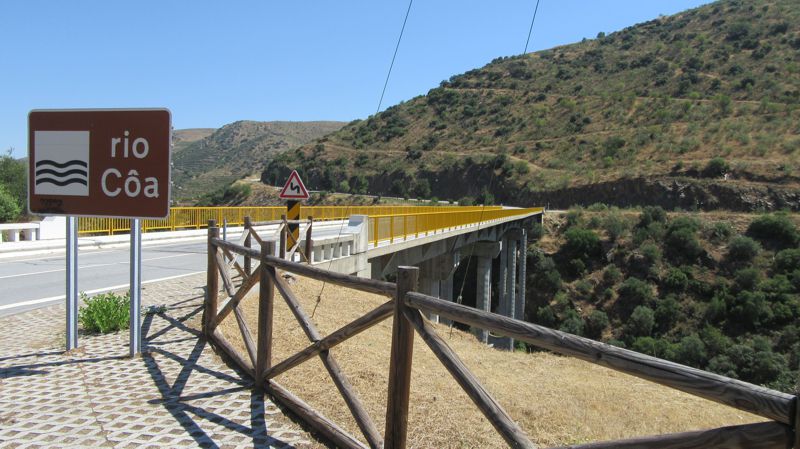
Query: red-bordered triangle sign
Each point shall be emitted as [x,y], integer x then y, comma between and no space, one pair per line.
[294,188]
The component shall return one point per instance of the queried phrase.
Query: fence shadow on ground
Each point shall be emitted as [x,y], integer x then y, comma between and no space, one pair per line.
[179,404]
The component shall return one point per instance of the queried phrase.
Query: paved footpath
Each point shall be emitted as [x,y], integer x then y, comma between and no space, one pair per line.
[178,394]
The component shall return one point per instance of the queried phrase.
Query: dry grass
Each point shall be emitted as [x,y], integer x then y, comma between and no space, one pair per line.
[556,400]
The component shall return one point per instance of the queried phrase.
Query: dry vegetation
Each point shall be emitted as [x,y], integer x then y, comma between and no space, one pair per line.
[556,400]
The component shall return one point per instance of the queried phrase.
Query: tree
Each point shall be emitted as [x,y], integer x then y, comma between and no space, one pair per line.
[742,250]
[641,322]
[9,209]
[13,176]
[774,230]
[582,244]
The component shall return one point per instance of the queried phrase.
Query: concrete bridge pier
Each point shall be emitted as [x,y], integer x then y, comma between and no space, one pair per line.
[484,252]
[434,273]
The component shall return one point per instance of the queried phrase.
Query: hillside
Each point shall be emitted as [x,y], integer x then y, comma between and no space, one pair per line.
[182,138]
[717,291]
[628,118]
[205,161]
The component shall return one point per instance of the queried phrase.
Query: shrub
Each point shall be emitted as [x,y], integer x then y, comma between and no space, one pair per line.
[716,167]
[545,316]
[787,261]
[537,232]
[641,322]
[742,250]
[614,225]
[611,275]
[747,278]
[581,244]
[682,245]
[634,292]
[691,351]
[720,231]
[107,312]
[651,214]
[9,209]
[675,280]
[774,230]
[596,322]
[667,313]
[572,325]
[651,253]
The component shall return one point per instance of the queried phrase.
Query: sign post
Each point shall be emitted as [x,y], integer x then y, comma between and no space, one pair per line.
[293,191]
[100,163]
[72,283]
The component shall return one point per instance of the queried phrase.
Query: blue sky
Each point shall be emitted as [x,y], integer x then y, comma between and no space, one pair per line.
[213,63]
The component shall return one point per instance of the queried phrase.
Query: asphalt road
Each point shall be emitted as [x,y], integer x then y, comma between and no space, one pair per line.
[35,281]
[27,282]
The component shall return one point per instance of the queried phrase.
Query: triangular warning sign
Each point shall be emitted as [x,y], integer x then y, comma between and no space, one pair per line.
[294,188]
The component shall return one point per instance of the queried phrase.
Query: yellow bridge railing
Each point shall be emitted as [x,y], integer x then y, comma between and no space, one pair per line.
[394,227]
[197,217]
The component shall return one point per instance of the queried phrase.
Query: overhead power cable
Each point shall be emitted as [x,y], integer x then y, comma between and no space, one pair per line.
[530,30]
[380,102]
[397,47]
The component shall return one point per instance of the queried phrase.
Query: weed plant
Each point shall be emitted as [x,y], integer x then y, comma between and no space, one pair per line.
[104,313]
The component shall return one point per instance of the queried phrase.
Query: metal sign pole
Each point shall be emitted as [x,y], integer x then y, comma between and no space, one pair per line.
[136,287]
[72,283]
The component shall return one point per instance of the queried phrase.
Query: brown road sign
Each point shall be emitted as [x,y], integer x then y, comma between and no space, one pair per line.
[100,162]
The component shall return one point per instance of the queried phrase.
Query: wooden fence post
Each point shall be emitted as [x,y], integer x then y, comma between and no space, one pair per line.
[266,299]
[284,232]
[400,363]
[248,264]
[212,280]
[797,419]
[309,242]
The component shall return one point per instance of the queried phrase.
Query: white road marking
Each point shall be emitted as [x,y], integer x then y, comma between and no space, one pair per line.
[93,266]
[91,292]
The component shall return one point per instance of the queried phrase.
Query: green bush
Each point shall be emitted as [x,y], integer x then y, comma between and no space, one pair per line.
[581,244]
[776,231]
[651,253]
[787,261]
[719,232]
[572,325]
[651,214]
[9,209]
[675,280]
[682,245]
[634,292]
[747,278]
[611,275]
[103,313]
[615,225]
[668,310]
[691,351]
[716,167]
[742,250]
[641,322]
[595,323]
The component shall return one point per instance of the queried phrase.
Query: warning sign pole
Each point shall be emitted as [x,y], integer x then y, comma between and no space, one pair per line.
[293,213]
[293,192]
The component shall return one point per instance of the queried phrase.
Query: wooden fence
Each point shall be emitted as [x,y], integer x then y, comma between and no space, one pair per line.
[404,305]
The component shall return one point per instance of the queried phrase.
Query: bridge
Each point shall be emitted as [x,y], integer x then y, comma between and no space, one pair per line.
[372,242]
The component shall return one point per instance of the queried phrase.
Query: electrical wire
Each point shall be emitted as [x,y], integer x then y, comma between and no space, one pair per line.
[397,47]
[380,102]
[530,30]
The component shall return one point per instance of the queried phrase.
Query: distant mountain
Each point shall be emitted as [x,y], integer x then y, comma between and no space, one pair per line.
[695,110]
[182,138]
[205,160]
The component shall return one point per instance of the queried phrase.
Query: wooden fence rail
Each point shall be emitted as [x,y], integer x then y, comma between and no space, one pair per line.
[742,395]
[405,306]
